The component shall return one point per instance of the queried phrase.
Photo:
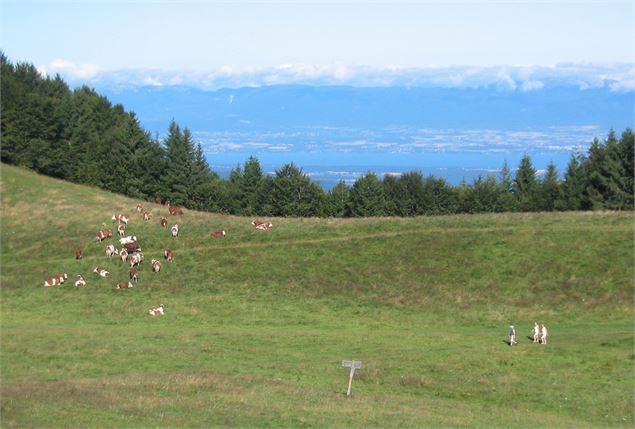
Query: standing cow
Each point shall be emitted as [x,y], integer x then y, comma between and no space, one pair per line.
[168,254]
[175,230]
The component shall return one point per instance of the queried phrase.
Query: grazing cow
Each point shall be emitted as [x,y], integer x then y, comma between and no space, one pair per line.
[264,226]
[156,311]
[127,240]
[80,281]
[156,265]
[122,285]
[132,247]
[111,251]
[101,271]
[121,230]
[175,211]
[78,253]
[139,208]
[167,254]
[136,259]
[147,215]
[164,222]
[175,230]
[218,234]
[103,234]
[121,218]
[123,254]
[133,274]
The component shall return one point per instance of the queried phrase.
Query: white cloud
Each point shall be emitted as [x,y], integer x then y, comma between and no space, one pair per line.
[152,81]
[70,70]
[530,85]
[616,77]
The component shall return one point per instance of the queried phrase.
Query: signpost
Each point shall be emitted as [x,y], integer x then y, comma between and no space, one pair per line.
[353,365]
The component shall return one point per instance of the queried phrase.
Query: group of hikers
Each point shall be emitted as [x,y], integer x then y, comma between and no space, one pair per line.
[540,334]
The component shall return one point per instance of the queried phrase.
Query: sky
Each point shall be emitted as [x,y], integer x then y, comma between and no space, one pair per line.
[174,42]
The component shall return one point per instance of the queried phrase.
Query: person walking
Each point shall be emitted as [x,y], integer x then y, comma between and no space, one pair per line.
[512,335]
[536,332]
[545,334]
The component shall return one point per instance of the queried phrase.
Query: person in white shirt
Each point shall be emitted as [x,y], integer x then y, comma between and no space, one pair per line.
[545,334]
[536,332]
[512,335]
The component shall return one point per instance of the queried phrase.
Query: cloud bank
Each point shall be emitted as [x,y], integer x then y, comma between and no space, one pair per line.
[616,77]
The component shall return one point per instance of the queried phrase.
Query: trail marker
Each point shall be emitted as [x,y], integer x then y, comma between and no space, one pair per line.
[353,365]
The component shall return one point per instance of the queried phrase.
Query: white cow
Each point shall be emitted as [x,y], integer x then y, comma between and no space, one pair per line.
[175,230]
[128,239]
[156,311]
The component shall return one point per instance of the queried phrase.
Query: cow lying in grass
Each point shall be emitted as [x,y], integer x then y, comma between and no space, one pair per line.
[56,281]
[156,311]
[122,285]
[80,281]
[218,234]
[101,271]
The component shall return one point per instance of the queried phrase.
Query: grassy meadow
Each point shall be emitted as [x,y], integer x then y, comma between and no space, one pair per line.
[257,323]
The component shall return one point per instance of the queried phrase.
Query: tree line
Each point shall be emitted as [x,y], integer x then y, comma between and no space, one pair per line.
[79,136]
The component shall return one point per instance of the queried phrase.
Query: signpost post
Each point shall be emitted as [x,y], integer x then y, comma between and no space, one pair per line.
[353,365]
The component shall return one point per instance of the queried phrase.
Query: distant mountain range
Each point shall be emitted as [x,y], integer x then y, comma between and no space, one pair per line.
[339,132]
[284,107]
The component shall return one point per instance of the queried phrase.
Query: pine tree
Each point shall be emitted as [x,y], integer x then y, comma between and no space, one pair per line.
[550,189]
[336,203]
[573,185]
[179,166]
[367,197]
[525,185]
[294,194]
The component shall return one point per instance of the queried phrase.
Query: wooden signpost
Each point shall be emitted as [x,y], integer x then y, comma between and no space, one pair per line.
[353,365]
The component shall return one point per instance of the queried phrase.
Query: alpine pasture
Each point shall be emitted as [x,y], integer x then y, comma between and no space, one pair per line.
[257,322]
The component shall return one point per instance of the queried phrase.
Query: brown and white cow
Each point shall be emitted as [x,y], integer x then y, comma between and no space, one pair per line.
[123,285]
[136,259]
[101,271]
[111,251]
[264,226]
[53,281]
[132,247]
[133,274]
[127,240]
[121,230]
[175,230]
[156,311]
[123,254]
[78,253]
[175,211]
[139,208]
[147,215]
[218,234]
[102,235]
[167,254]
[121,218]
[61,277]
[80,281]
[164,222]
[156,265]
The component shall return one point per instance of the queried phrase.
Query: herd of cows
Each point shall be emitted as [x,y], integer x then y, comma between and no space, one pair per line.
[131,253]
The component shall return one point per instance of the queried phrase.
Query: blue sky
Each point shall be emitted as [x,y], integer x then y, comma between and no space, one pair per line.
[238,42]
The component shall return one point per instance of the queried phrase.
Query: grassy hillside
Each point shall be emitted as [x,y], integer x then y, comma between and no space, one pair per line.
[257,323]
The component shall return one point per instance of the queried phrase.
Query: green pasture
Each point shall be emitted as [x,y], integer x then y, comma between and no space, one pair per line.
[257,323]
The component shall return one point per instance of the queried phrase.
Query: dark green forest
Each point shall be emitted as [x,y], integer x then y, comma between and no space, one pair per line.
[79,136]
